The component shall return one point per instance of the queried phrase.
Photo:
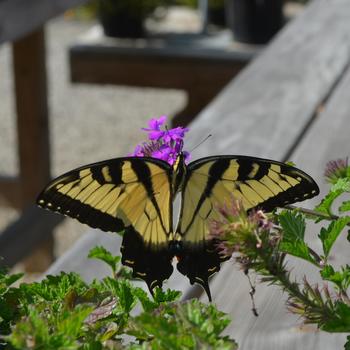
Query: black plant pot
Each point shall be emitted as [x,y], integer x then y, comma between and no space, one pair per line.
[122,24]
[217,16]
[254,21]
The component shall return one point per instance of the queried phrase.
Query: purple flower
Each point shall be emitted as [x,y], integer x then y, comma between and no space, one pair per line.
[165,144]
[154,128]
[235,228]
[337,169]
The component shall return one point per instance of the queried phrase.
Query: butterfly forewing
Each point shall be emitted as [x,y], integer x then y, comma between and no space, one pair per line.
[258,183]
[115,194]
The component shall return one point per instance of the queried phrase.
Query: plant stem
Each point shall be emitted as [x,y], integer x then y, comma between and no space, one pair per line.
[314,213]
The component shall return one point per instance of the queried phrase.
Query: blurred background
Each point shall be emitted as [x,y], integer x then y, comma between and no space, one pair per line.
[87,122]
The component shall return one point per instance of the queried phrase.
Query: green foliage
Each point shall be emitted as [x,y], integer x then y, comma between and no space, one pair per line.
[329,235]
[188,325]
[347,344]
[341,186]
[264,248]
[64,312]
[293,226]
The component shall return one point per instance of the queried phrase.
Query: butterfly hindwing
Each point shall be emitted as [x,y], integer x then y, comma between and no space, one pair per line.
[131,194]
[213,181]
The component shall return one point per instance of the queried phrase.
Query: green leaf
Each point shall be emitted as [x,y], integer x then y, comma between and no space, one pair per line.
[329,235]
[341,186]
[6,280]
[103,254]
[124,291]
[293,226]
[345,206]
[146,302]
[54,288]
[347,344]
[341,321]
[340,278]
[177,326]
[168,296]
[325,207]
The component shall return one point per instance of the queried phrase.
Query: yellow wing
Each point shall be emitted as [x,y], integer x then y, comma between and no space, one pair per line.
[116,194]
[213,181]
[258,183]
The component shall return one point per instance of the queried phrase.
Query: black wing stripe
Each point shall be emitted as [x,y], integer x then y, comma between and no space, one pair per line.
[144,176]
[216,170]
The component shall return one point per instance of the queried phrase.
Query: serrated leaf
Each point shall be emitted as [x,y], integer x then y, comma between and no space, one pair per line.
[340,278]
[340,323]
[146,302]
[345,206]
[169,295]
[325,207]
[293,226]
[329,235]
[103,254]
[343,184]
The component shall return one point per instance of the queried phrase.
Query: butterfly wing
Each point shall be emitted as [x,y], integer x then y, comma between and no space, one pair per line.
[131,194]
[215,180]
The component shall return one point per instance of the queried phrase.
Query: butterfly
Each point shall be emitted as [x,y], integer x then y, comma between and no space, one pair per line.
[136,194]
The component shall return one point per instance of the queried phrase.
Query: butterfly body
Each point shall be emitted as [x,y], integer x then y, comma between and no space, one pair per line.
[136,194]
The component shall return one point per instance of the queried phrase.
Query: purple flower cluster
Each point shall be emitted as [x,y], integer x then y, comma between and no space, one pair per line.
[337,169]
[163,144]
[235,227]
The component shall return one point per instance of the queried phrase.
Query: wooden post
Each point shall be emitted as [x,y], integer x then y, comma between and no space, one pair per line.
[29,64]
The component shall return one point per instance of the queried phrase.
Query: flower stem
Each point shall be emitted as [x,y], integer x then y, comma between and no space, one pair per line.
[314,213]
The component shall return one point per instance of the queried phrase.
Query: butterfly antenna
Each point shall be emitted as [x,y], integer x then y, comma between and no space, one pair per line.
[210,135]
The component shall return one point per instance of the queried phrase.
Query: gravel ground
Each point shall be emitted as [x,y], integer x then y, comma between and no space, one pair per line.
[88,123]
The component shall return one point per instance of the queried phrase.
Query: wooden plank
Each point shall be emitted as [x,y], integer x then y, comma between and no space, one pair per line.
[32,113]
[156,62]
[267,105]
[32,127]
[19,239]
[326,140]
[10,190]
[200,65]
[20,17]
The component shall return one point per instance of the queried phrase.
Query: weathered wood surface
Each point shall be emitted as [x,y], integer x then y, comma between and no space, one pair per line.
[267,105]
[19,239]
[200,65]
[20,17]
[271,110]
[327,139]
[22,21]
[29,66]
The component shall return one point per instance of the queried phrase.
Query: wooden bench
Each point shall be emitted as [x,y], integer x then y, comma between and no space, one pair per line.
[290,103]
[199,64]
